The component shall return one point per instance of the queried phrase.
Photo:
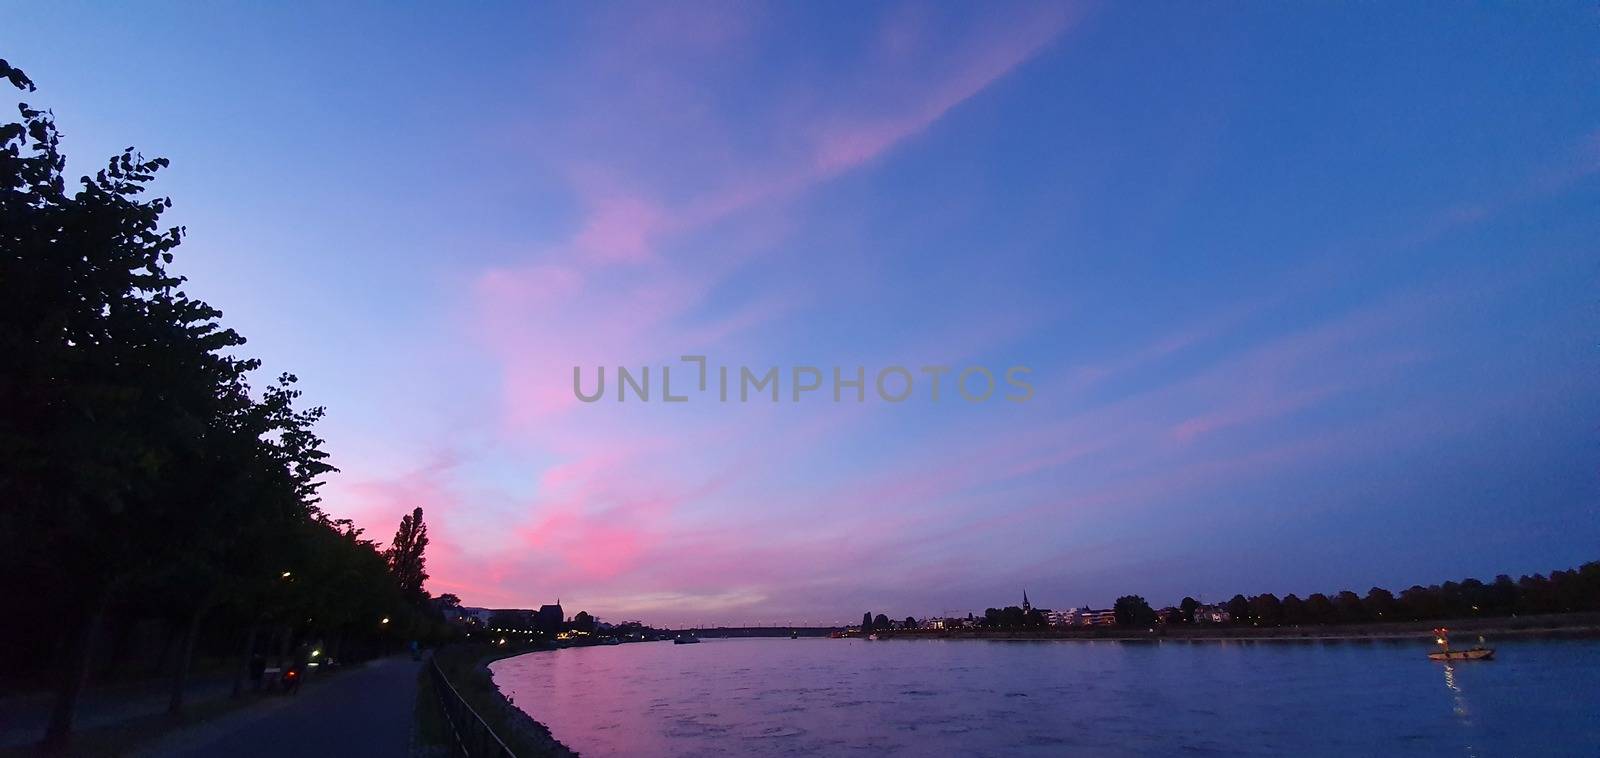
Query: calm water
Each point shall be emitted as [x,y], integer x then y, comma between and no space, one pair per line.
[837,697]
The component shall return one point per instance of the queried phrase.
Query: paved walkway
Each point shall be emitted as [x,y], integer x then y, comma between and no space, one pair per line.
[365,711]
[23,717]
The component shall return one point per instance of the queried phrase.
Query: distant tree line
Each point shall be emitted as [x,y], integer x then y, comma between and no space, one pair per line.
[1012,617]
[882,622]
[143,474]
[1567,591]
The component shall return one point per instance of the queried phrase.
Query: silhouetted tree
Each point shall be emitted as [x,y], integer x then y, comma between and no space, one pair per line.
[911,623]
[110,381]
[583,622]
[880,621]
[866,622]
[136,462]
[1535,595]
[1503,594]
[1132,610]
[1418,602]
[1294,609]
[1319,609]
[1266,610]
[1186,610]
[1239,609]
[1347,607]
[406,554]
[1380,604]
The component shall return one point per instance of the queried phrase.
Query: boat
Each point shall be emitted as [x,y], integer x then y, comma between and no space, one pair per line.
[1442,636]
[872,637]
[685,639]
[793,635]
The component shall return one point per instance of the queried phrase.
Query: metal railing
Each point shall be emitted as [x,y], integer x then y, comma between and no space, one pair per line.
[472,735]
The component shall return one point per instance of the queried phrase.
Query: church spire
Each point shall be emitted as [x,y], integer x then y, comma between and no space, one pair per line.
[1025,606]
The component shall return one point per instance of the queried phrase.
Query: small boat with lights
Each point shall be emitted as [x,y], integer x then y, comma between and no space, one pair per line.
[1442,636]
[685,639]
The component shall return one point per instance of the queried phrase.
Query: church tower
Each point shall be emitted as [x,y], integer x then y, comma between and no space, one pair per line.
[1025,606]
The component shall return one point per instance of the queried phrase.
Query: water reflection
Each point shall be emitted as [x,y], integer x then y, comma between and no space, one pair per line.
[1459,704]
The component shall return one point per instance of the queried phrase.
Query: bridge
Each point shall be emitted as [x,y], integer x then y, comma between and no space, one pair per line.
[714,632]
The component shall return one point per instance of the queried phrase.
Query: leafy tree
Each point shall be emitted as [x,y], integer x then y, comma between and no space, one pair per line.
[114,382]
[880,621]
[1535,594]
[866,622]
[1239,609]
[583,622]
[911,623]
[1503,593]
[1380,604]
[1187,610]
[1319,609]
[1294,609]
[1132,610]
[1266,610]
[136,462]
[1348,608]
[406,554]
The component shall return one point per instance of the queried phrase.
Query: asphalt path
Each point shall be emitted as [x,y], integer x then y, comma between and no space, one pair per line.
[365,711]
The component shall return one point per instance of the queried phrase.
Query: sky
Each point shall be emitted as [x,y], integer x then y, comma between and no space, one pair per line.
[1307,292]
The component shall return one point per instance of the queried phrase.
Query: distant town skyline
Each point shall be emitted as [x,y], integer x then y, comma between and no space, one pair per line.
[1307,294]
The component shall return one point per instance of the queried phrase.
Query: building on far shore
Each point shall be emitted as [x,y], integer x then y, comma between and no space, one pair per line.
[1212,614]
[1084,616]
[549,618]
[1105,617]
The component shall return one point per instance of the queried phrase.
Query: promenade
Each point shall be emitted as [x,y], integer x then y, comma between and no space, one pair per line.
[364,711]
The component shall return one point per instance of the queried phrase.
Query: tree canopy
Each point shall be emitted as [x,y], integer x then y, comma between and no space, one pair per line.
[142,470]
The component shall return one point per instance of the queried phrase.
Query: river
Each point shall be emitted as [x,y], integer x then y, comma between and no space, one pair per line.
[969,697]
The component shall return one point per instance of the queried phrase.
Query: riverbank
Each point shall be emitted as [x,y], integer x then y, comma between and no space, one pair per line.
[1569,624]
[467,668]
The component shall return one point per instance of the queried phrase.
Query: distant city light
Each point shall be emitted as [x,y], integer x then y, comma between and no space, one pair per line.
[385,620]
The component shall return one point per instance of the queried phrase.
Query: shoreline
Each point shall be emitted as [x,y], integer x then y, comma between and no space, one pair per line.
[526,734]
[1577,625]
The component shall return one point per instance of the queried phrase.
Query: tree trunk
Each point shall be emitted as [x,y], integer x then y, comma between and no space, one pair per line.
[180,668]
[244,666]
[75,675]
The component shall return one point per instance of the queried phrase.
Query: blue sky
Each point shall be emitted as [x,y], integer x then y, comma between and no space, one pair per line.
[1308,291]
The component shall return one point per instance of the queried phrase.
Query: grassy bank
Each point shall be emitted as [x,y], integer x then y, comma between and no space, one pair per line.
[467,668]
[1567,624]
